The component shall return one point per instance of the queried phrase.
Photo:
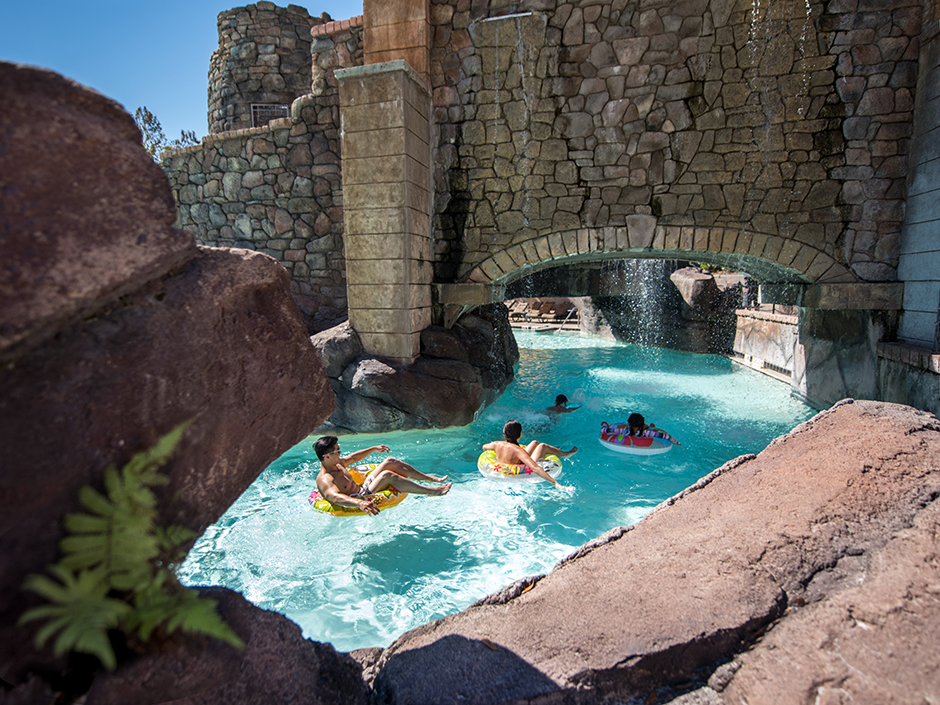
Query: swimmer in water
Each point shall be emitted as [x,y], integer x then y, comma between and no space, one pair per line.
[561,406]
[509,452]
[337,486]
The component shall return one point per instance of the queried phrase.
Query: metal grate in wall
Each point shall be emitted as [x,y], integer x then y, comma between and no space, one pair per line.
[263,113]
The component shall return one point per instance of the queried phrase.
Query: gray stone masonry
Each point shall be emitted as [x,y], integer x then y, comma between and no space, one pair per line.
[786,124]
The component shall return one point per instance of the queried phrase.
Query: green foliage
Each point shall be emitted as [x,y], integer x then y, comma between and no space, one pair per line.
[116,571]
[155,141]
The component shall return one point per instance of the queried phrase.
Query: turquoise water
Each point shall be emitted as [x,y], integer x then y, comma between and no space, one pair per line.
[359,582]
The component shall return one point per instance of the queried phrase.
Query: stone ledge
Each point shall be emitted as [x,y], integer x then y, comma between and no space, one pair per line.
[335,26]
[921,358]
[766,316]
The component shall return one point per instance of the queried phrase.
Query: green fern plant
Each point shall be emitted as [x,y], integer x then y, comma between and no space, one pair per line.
[117,568]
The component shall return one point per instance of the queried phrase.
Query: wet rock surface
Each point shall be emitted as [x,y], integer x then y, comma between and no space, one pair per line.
[796,574]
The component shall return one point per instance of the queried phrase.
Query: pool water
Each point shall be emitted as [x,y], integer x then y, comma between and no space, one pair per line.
[360,582]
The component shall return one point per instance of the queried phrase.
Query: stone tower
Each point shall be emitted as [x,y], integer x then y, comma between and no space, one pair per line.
[262,64]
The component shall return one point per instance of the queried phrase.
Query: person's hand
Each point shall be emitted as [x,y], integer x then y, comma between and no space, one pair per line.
[383,448]
[565,488]
[368,506]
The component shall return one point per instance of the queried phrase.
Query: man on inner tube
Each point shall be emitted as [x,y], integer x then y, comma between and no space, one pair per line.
[337,486]
[509,452]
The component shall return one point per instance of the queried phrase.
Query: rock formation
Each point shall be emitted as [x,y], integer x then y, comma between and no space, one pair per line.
[458,372]
[115,328]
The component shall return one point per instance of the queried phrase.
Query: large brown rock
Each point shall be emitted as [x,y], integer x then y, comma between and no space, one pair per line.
[221,342]
[86,214]
[277,666]
[806,572]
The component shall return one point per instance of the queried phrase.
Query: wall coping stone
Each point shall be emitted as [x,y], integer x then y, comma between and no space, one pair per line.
[766,316]
[335,26]
[921,358]
[354,72]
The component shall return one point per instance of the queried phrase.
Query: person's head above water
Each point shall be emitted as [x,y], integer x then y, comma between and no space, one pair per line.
[512,431]
[324,445]
[636,421]
[561,400]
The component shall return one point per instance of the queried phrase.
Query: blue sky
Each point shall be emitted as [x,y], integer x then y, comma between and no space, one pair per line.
[138,53]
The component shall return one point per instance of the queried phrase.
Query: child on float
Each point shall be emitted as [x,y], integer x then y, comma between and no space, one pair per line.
[509,452]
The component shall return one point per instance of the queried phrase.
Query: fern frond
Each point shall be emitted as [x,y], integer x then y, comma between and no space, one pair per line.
[96,502]
[86,524]
[198,615]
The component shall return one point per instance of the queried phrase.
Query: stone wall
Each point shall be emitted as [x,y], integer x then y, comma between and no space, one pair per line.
[263,58]
[278,189]
[794,122]
[919,266]
[766,341]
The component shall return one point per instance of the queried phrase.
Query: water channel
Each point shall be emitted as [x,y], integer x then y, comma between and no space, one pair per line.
[361,582]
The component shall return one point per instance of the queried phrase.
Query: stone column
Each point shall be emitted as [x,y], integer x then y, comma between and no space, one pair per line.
[386,114]
[398,30]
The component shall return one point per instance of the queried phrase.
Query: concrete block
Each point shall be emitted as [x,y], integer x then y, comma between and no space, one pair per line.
[372,116]
[918,327]
[376,14]
[920,266]
[401,347]
[375,143]
[374,170]
[919,237]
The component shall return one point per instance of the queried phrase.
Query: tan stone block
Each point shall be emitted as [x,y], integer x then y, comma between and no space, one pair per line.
[399,347]
[531,254]
[375,143]
[804,257]
[728,240]
[417,94]
[417,147]
[758,241]
[556,246]
[772,248]
[375,14]
[672,238]
[659,238]
[543,250]
[583,244]
[372,116]
[475,294]
[418,58]
[377,296]
[700,239]
[389,169]
[416,173]
[504,261]
[399,35]
[570,241]
[820,265]
[491,269]
[687,238]
[376,246]
[372,195]
[788,252]
[478,276]
[714,239]
[388,271]
[381,87]
[517,255]
[365,221]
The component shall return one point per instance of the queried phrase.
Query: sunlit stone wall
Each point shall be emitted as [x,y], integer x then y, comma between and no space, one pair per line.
[785,118]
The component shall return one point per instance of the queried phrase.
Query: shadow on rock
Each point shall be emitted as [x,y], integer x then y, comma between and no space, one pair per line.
[466,671]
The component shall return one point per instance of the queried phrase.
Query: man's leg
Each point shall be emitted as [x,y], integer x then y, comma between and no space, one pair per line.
[405,470]
[383,479]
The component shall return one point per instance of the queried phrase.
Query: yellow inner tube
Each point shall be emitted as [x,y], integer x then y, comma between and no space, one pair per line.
[488,464]
[382,500]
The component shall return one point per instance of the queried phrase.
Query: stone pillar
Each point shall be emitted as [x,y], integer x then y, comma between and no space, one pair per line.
[386,117]
[398,30]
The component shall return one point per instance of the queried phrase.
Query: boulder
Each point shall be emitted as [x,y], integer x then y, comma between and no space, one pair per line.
[458,372]
[277,666]
[114,329]
[337,347]
[799,575]
[85,210]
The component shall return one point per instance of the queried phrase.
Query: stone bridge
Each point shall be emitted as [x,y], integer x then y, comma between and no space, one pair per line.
[447,148]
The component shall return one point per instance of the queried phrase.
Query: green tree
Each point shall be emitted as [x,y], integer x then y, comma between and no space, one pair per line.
[155,141]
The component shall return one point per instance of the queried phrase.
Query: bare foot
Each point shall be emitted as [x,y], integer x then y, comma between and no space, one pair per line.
[441,490]
[438,479]
[574,449]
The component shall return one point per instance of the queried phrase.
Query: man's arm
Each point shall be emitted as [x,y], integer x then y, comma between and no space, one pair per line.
[329,492]
[537,469]
[358,455]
